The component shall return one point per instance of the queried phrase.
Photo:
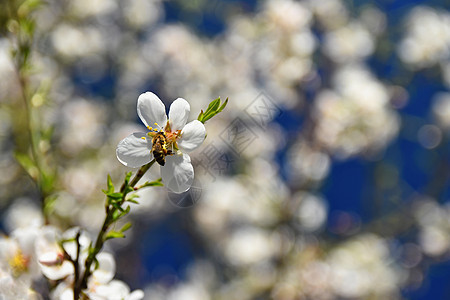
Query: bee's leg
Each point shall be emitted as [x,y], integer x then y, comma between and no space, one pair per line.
[170,152]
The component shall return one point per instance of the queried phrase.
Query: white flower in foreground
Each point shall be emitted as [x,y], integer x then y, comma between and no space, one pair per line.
[52,259]
[169,141]
[17,254]
[102,286]
[50,255]
[116,290]
[15,288]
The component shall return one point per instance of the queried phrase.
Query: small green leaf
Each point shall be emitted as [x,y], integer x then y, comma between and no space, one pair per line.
[128,189]
[117,206]
[115,196]
[127,178]
[213,109]
[47,182]
[27,164]
[116,215]
[223,106]
[114,234]
[49,204]
[109,184]
[209,116]
[213,105]
[125,227]
[200,115]
[132,199]
[157,182]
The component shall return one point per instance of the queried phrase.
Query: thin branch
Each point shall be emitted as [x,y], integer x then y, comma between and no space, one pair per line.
[80,285]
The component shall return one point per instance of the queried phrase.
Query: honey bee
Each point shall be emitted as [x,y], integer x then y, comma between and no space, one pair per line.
[159,148]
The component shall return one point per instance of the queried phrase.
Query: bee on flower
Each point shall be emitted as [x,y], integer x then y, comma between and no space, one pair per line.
[168,141]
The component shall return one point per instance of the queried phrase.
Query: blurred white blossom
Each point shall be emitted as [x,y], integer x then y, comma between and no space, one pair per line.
[23,213]
[434,234]
[427,37]
[362,267]
[351,119]
[350,43]
[441,109]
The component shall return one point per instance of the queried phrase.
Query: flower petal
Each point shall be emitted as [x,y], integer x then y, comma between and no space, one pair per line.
[151,110]
[58,272]
[178,173]
[136,295]
[115,289]
[192,136]
[106,268]
[178,114]
[134,151]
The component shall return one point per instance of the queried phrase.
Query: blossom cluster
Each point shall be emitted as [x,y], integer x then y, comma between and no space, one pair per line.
[34,252]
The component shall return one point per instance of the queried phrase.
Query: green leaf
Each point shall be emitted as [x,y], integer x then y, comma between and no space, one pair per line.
[116,215]
[109,184]
[49,204]
[114,234]
[125,227]
[132,198]
[47,183]
[209,116]
[117,206]
[213,109]
[128,189]
[157,182]
[115,196]
[223,106]
[24,160]
[213,105]
[127,178]
[200,115]
[27,164]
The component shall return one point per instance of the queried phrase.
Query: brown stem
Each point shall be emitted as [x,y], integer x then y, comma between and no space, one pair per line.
[76,265]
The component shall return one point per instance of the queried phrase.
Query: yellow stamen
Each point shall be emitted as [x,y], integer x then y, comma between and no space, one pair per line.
[143,138]
[19,263]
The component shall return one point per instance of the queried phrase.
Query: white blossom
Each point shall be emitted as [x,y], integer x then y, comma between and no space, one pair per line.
[180,138]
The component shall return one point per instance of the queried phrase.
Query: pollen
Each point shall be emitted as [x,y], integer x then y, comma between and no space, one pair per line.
[19,263]
[143,138]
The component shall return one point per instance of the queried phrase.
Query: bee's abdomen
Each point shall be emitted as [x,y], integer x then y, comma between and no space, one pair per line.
[159,157]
